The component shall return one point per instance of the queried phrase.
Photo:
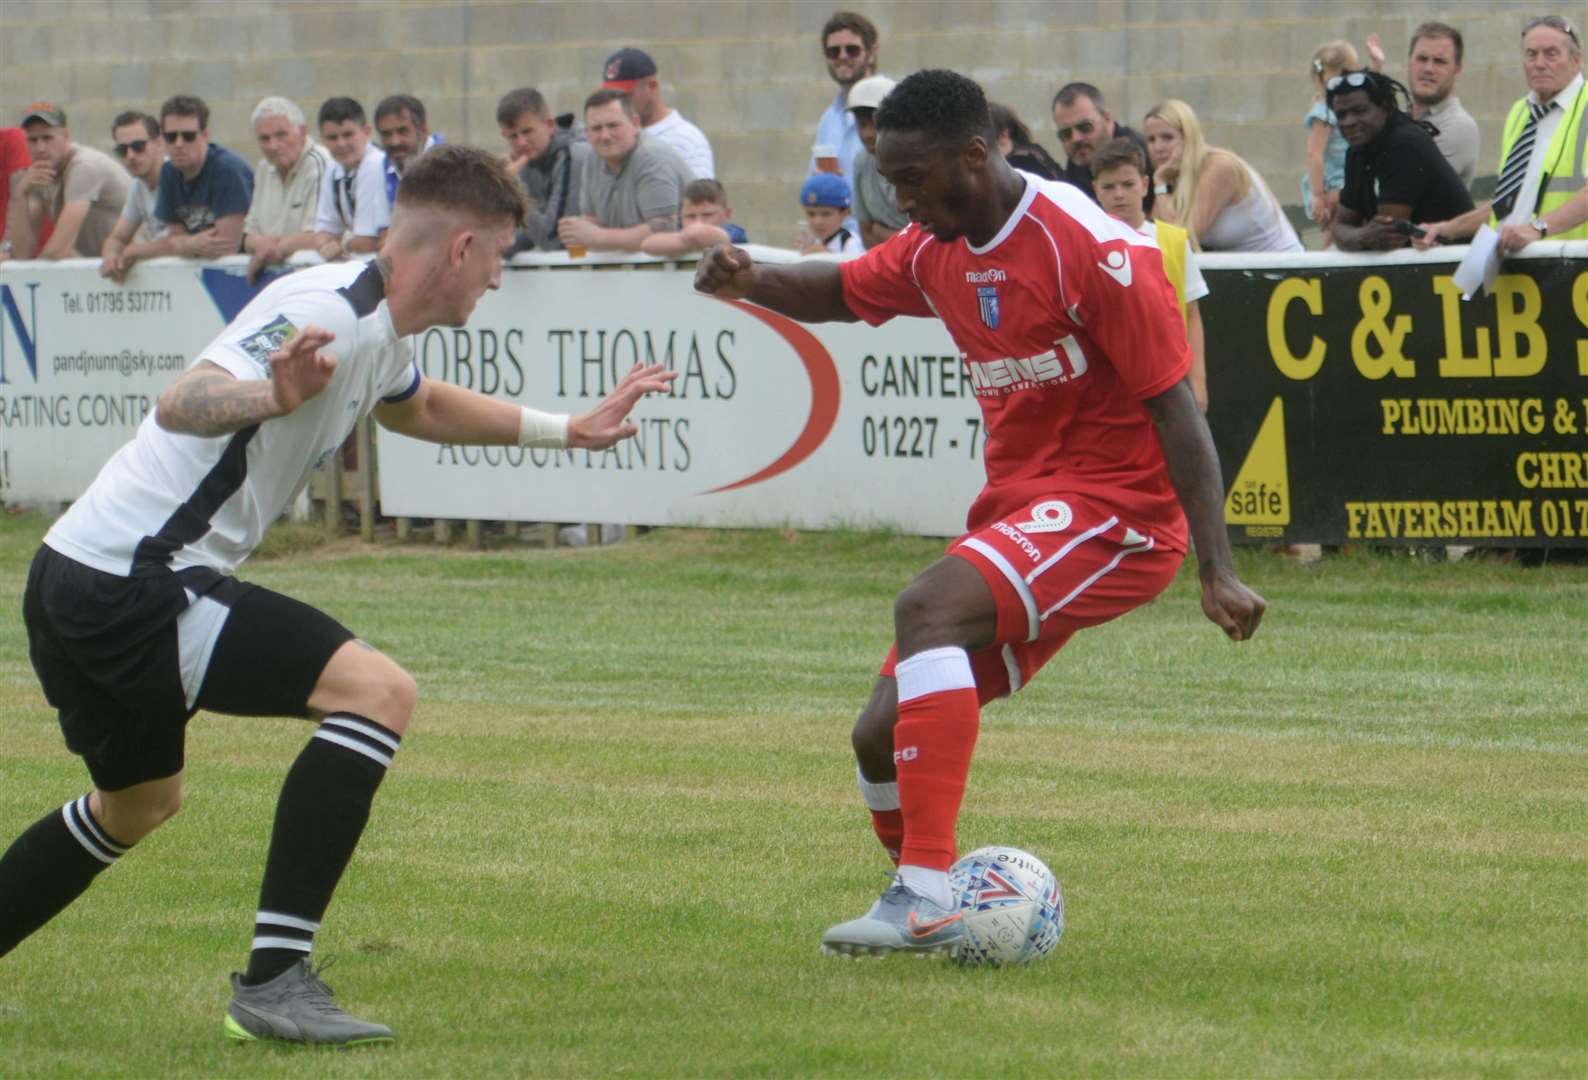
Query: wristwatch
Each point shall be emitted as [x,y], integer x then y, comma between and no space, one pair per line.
[1543,229]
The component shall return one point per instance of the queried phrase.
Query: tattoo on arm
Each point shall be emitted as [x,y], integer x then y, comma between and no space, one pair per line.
[210,401]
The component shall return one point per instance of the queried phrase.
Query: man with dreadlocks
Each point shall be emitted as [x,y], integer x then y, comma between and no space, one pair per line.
[1394,171]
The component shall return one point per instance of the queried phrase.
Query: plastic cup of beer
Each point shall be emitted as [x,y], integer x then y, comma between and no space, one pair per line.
[826,159]
[575,251]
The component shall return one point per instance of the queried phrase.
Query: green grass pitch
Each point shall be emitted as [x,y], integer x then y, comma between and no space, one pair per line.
[625,813]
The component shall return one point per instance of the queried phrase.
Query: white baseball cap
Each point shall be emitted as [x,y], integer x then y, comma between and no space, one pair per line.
[869,92]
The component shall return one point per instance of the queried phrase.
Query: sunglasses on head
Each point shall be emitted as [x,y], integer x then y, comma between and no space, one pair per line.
[852,51]
[1554,22]
[1085,127]
[1350,78]
[136,146]
[185,136]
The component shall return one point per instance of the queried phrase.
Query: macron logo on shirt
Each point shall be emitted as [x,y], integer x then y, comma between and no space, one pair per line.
[1116,264]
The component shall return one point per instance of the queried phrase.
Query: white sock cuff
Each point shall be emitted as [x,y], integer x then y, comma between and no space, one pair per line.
[933,671]
[877,796]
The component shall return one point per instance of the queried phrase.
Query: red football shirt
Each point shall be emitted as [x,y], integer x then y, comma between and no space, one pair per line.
[14,158]
[1066,323]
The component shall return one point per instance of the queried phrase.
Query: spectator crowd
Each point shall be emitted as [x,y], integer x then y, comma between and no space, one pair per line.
[1387,164]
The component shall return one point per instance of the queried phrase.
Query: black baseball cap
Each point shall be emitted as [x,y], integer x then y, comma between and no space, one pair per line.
[627,67]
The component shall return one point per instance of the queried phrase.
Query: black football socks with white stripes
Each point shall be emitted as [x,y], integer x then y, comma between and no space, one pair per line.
[323,808]
[321,815]
[49,866]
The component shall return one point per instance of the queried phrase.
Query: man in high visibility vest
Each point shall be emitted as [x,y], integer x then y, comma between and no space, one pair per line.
[1544,151]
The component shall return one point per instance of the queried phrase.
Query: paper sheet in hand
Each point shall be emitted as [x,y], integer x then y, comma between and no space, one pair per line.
[1482,264]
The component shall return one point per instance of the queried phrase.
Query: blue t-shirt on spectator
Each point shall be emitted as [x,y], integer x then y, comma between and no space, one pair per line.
[224,186]
[836,128]
[735,234]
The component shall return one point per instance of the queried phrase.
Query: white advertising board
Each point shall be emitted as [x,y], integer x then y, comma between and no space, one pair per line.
[769,423]
[82,361]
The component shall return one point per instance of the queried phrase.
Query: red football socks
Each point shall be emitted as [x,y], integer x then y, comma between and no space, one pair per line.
[889,827]
[932,746]
[882,799]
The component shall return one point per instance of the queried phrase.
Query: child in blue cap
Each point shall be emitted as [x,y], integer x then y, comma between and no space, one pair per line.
[825,199]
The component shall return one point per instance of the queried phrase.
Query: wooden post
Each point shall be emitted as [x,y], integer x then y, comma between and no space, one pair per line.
[475,534]
[443,531]
[366,480]
[333,495]
[404,527]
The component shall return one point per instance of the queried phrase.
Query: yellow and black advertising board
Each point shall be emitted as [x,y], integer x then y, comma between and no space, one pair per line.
[1372,404]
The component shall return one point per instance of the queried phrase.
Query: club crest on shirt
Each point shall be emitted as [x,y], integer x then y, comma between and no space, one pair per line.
[987,296]
[267,339]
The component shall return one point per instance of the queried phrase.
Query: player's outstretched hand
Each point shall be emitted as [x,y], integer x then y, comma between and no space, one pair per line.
[725,271]
[1236,608]
[299,370]
[608,422]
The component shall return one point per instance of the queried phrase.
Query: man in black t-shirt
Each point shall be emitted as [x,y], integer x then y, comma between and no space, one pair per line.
[1394,171]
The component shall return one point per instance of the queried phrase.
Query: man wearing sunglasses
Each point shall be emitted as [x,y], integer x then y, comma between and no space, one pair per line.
[205,189]
[142,154]
[850,43]
[1394,171]
[81,189]
[1084,123]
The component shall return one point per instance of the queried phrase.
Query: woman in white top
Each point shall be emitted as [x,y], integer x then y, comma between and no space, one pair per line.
[1215,194]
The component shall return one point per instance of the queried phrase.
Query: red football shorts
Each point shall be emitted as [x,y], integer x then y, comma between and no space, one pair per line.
[1062,564]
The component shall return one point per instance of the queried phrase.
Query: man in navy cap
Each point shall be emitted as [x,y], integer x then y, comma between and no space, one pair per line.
[634,72]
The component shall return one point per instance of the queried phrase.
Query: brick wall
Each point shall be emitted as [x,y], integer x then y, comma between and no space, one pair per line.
[747,72]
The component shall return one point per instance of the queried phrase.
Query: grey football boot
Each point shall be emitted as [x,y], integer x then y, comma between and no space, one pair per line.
[296,1006]
[900,921]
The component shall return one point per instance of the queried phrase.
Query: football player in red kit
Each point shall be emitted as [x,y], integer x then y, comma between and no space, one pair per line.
[1096,457]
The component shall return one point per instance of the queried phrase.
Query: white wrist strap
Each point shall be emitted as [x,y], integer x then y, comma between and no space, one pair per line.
[547,431]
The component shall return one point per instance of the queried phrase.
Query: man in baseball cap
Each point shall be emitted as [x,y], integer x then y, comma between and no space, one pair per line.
[53,115]
[876,206]
[634,72]
[80,189]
